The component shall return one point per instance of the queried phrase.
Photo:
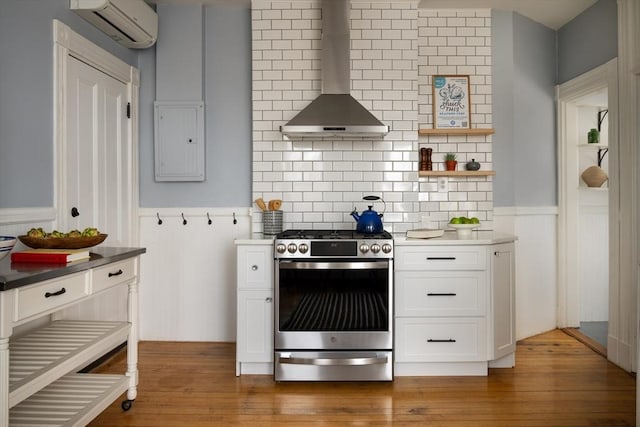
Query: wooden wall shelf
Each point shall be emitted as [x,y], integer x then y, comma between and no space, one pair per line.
[475,131]
[456,173]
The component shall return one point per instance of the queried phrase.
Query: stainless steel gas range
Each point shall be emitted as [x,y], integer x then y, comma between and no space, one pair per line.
[333,306]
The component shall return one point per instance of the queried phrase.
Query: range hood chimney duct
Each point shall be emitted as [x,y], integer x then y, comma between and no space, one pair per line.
[335,111]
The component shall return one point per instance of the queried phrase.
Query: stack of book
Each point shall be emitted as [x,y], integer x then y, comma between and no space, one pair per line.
[50,256]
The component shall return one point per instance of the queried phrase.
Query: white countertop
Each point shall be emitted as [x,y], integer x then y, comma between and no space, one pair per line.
[480,237]
[256,239]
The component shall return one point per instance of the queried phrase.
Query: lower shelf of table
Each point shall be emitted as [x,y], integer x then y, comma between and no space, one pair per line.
[61,347]
[73,400]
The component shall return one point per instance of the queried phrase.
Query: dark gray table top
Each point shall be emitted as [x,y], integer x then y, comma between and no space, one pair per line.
[14,275]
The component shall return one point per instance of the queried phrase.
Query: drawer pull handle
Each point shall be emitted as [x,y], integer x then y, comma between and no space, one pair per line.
[449,340]
[441,258]
[54,294]
[254,268]
[443,294]
[117,273]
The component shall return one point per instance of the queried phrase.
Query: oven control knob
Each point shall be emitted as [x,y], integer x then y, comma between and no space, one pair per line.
[364,248]
[386,248]
[292,248]
[303,248]
[281,248]
[375,248]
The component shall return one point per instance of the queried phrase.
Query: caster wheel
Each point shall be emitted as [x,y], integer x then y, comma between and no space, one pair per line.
[126,404]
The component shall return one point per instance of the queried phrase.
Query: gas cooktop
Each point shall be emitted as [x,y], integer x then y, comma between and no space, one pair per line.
[330,234]
[333,244]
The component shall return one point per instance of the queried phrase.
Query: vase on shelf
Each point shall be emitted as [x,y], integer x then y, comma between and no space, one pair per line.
[594,176]
[472,165]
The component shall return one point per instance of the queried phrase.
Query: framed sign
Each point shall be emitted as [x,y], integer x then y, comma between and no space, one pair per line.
[451,102]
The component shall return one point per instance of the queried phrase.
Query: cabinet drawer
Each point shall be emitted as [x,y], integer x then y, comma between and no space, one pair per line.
[441,293]
[440,258]
[255,267]
[50,295]
[112,274]
[440,340]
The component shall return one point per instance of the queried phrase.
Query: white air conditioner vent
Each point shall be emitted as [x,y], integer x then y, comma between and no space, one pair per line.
[132,23]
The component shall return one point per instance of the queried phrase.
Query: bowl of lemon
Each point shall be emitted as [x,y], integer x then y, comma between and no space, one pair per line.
[464,226]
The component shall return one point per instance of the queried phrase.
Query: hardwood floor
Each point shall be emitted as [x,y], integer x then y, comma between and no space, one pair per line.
[557,381]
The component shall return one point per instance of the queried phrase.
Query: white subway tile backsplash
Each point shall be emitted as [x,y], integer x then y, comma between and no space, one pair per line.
[396,48]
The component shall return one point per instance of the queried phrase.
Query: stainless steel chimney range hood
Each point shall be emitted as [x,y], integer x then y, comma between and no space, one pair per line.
[335,111]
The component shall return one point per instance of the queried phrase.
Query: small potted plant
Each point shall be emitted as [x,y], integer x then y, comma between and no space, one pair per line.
[450,161]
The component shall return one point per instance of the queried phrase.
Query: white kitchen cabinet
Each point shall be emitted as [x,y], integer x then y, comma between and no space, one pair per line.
[40,366]
[454,307]
[503,306]
[255,330]
[254,339]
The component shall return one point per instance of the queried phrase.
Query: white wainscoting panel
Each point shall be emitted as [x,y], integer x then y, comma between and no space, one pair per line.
[593,256]
[188,275]
[15,222]
[536,265]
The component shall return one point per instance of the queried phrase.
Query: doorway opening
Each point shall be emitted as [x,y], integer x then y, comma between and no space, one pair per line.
[586,133]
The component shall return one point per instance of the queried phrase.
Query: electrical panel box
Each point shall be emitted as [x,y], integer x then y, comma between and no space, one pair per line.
[179,141]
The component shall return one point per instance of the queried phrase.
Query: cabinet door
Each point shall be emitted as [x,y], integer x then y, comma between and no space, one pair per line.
[255,326]
[97,165]
[503,300]
[255,267]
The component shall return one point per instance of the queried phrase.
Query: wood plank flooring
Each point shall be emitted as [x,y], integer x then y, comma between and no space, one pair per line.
[557,381]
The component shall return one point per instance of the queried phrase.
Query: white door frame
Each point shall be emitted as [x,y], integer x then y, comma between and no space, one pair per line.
[68,43]
[604,76]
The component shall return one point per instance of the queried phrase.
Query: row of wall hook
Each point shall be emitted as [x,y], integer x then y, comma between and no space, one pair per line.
[184,220]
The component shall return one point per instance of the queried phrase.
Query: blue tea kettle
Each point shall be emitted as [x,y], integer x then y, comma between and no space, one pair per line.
[370,221]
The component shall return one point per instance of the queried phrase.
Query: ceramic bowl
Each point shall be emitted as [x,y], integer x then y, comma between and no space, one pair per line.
[463,230]
[6,244]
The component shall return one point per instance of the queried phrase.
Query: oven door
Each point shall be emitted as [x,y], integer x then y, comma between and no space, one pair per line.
[333,304]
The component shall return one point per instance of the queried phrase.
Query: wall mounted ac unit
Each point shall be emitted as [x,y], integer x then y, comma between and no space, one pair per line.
[132,23]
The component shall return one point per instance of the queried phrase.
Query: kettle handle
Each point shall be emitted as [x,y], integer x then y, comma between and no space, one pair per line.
[384,204]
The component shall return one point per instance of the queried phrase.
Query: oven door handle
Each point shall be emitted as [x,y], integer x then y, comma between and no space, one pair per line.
[330,361]
[306,265]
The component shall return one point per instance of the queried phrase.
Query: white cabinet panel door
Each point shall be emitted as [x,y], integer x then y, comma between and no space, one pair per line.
[97,173]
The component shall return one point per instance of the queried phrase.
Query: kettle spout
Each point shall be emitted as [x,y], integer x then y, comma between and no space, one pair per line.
[355,215]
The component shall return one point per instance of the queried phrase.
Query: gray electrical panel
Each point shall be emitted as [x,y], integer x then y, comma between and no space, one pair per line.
[179,140]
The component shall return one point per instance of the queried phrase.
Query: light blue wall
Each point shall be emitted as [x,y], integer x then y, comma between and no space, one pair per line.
[589,40]
[534,130]
[26,95]
[503,107]
[524,143]
[529,59]
[524,150]
[226,59]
